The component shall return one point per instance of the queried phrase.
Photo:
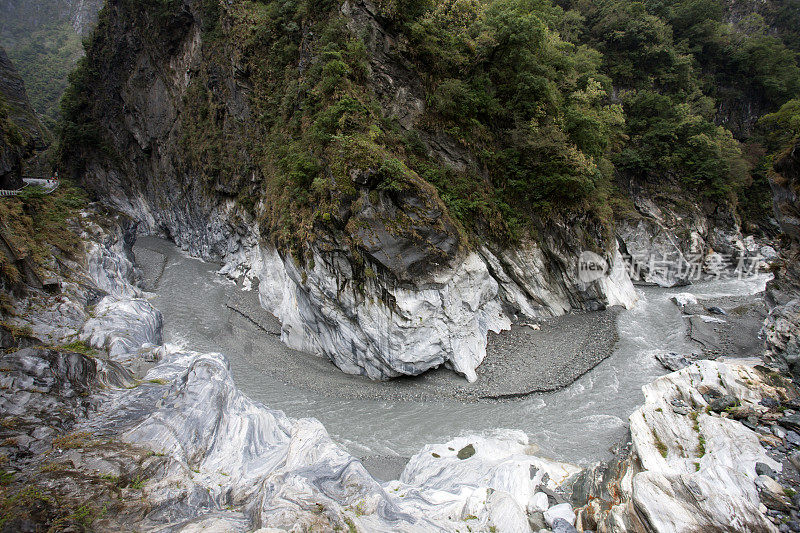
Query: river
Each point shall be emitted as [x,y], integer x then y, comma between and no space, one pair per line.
[577,424]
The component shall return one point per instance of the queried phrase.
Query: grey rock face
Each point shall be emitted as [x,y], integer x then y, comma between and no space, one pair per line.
[782,327]
[672,361]
[562,526]
[396,295]
[671,247]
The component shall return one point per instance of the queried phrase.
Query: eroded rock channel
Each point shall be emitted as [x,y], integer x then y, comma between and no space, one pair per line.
[597,361]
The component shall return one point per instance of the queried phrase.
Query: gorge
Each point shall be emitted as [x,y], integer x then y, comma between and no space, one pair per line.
[502,265]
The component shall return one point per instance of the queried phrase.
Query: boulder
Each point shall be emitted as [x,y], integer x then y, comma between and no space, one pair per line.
[683,299]
[673,361]
[772,494]
[562,511]
[539,502]
[562,526]
[722,403]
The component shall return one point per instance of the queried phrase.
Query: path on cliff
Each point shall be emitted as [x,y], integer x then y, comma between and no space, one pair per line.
[577,424]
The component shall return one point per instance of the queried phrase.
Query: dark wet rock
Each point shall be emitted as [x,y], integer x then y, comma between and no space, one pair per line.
[765,470]
[794,460]
[11,338]
[680,407]
[709,393]
[766,401]
[741,412]
[537,521]
[772,494]
[466,452]
[790,422]
[673,361]
[722,403]
[714,310]
[562,526]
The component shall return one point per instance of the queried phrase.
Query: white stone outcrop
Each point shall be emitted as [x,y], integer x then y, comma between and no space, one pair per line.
[233,464]
[482,481]
[384,331]
[123,326]
[698,468]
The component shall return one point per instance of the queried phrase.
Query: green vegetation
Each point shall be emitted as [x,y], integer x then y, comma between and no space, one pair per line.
[38,225]
[781,129]
[81,347]
[17,331]
[554,109]
[9,131]
[137,483]
[660,446]
[44,59]
[701,446]
[33,503]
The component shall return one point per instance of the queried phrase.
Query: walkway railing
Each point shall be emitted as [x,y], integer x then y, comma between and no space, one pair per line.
[47,185]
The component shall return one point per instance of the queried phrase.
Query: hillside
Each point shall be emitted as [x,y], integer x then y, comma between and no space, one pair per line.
[21,132]
[400,146]
[43,38]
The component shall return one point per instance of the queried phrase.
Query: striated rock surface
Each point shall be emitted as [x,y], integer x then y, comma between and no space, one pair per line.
[458,473]
[672,243]
[692,468]
[181,448]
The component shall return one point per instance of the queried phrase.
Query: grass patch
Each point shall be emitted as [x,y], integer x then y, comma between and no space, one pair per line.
[695,424]
[660,446]
[137,483]
[72,440]
[81,347]
[351,527]
[18,331]
[701,446]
